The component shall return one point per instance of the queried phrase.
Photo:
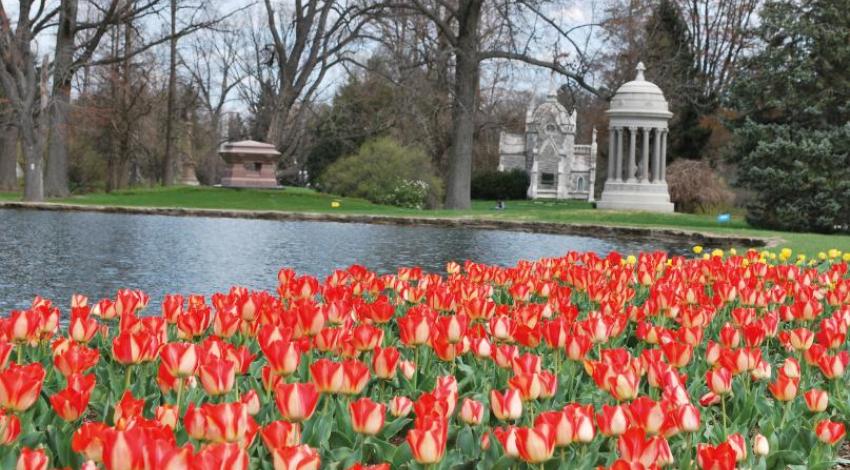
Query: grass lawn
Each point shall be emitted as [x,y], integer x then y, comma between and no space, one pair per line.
[306,200]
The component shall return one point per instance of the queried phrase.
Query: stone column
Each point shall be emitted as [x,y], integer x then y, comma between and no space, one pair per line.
[612,148]
[644,169]
[618,176]
[632,146]
[663,165]
[656,156]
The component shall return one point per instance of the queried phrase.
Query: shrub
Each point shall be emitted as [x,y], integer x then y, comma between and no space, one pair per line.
[696,188]
[500,185]
[385,172]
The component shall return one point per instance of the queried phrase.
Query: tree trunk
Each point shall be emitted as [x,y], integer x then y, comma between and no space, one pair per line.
[56,171]
[169,160]
[9,158]
[465,106]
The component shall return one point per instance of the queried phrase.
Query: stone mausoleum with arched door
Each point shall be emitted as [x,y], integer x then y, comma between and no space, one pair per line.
[557,167]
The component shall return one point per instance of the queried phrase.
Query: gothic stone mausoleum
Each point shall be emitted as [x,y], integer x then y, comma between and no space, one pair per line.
[557,167]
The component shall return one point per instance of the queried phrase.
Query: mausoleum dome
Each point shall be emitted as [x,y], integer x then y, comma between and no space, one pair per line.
[639,99]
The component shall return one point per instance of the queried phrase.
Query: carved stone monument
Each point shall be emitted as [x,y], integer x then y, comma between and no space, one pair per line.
[637,148]
[557,167]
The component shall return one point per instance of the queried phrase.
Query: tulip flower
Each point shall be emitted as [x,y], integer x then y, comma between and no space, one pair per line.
[581,420]
[75,359]
[24,327]
[720,457]
[719,380]
[471,412]
[833,367]
[784,388]
[283,356]
[613,420]
[296,401]
[251,401]
[761,447]
[829,432]
[134,348]
[529,386]
[428,441]
[739,446]
[88,440]
[70,403]
[217,456]
[82,327]
[688,418]
[195,422]
[816,400]
[367,417]
[355,376]
[280,434]
[624,386]
[228,422]
[327,375]
[535,445]
[10,428]
[180,359]
[301,457]
[506,406]
[634,446]
[647,415]
[20,386]
[127,409]
[167,415]
[32,459]
[400,406]
[217,376]
[385,362]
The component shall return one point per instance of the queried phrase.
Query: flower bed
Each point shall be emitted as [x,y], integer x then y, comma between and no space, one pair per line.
[715,362]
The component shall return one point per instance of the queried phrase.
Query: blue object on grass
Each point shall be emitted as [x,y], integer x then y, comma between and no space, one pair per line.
[723,218]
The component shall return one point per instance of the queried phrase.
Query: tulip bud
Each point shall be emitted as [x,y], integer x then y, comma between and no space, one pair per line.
[408,369]
[400,406]
[760,446]
[167,415]
[471,412]
[32,459]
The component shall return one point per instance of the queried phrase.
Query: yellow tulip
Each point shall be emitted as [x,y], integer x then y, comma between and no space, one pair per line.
[697,249]
[334,204]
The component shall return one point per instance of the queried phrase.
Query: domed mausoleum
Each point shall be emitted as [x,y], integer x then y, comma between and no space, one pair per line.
[637,148]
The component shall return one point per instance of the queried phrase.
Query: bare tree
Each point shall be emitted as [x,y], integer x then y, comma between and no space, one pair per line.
[212,63]
[720,31]
[307,42]
[168,162]
[476,31]
[24,82]
[8,150]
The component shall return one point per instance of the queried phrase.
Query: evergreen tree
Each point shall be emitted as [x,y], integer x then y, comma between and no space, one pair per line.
[793,141]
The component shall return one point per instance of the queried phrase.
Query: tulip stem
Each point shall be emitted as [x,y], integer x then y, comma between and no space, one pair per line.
[179,396]
[127,376]
[785,414]
[723,410]
[20,352]
[416,365]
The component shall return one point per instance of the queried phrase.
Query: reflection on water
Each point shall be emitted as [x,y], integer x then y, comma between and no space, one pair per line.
[55,254]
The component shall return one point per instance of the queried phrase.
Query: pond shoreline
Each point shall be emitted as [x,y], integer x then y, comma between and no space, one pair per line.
[554,228]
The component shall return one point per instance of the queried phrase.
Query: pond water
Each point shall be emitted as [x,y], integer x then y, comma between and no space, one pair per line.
[55,254]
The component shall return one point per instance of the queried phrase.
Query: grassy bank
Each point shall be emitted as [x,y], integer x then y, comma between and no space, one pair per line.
[305,200]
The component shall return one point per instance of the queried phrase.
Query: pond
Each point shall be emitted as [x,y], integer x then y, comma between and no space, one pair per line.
[55,254]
